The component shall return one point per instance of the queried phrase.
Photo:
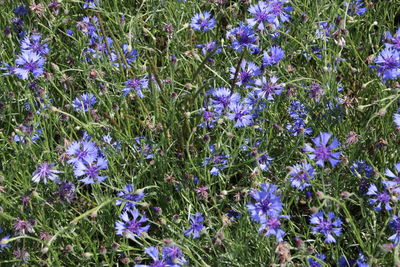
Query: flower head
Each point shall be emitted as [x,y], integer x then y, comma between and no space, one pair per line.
[84,102]
[196,225]
[86,151]
[202,22]
[273,57]
[90,169]
[243,36]
[382,198]
[322,151]
[45,171]
[4,240]
[268,203]
[328,226]
[388,63]
[129,196]
[29,62]
[131,224]
[222,97]
[240,113]
[393,185]
[300,175]
[137,84]
[267,88]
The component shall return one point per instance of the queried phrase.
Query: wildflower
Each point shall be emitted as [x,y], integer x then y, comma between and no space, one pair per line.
[21,10]
[396,119]
[268,88]
[300,175]
[29,62]
[173,255]
[388,63]
[202,22]
[243,36]
[90,168]
[264,161]
[279,12]
[129,196]
[361,168]
[90,4]
[84,103]
[273,57]
[393,41]
[209,47]
[137,84]
[23,227]
[315,263]
[393,185]
[268,203]
[382,198]
[246,72]
[218,161]
[45,171]
[196,225]
[395,225]
[260,14]
[131,224]
[22,255]
[222,98]
[271,226]
[355,7]
[4,241]
[324,30]
[209,119]
[326,226]
[32,43]
[240,113]
[143,146]
[66,191]
[82,151]
[322,153]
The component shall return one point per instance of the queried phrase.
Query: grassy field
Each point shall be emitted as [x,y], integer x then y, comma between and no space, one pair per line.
[199,133]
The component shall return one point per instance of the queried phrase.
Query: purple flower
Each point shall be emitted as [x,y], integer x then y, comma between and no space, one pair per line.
[382,198]
[355,7]
[131,224]
[222,98]
[217,161]
[324,30]
[322,151]
[202,22]
[268,88]
[395,225]
[240,113]
[261,15]
[196,225]
[84,102]
[82,151]
[273,57]
[388,63]
[268,203]
[300,175]
[90,168]
[326,226]
[393,41]
[264,161]
[246,72]
[130,196]
[171,257]
[32,43]
[209,47]
[90,4]
[314,263]
[4,240]
[45,171]
[271,226]
[29,62]
[393,185]
[143,146]
[137,84]
[243,36]
[21,10]
[209,118]
[66,191]
[396,119]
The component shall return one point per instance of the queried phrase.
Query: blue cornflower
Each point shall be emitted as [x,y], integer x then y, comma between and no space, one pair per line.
[246,72]
[29,62]
[209,118]
[33,44]
[84,102]
[66,191]
[130,196]
[382,198]
[232,214]
[326,226]
[273,57]
[222,98]
[21,10]
[395,225]
[243,36]
[45,171]
[396,119]
[90,4]
[171,257]
[322,151]
[361,168]
[388,63]
[268,203]
[268,88]
[314,263]
[143,146]
[82,151]
[261,15]
[130,53]
[272,226]
[360,262]
[196,225]
[209,47]
[393,41]
[355,7]
[393,185]
[217,161]
[89,26]
[90,168]
[202,22]
[241,114]
[131,224]
[279,12]
[137,84]
[300,175]
[264,161]
[4,240]
[324,30]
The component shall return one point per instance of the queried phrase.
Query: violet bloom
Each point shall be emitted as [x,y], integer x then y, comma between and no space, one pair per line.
[29,62]
[130,196]
[171,257]
[209,118]
[393,41]
[268,203]
[322,151]
[268,88]
[217,161]
[222,97]
[32,43]
[314,263]
[382,198]
[278,12]
[137,84]
[272,226]
[45,171]
[326,226]
[82,151]
[143,145]
[396,120]
[90,4]
[66,191]
[246,72]
[395,225]
[355,7]
[300,175]
[209,47]
[4,241]
[241,114]
[388,63]
[196,225]
[264,161]
[393,185]
[131,224]
[84,102]
[202,22]
[243,36]
[91,170]
[273,57]
[261,15]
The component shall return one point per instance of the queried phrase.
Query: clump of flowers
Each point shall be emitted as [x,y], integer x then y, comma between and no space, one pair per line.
[298,112]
